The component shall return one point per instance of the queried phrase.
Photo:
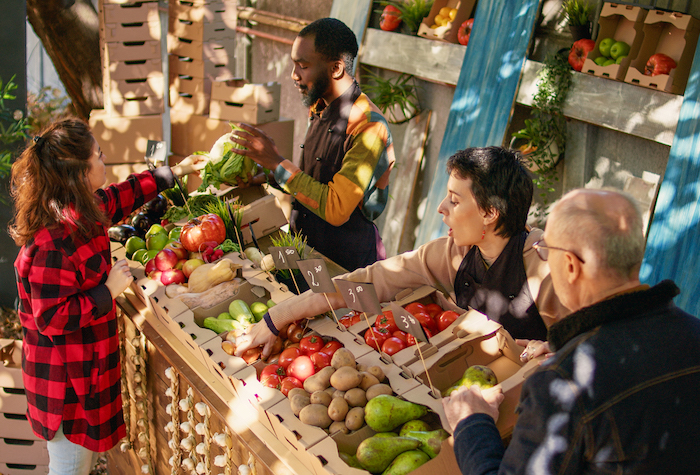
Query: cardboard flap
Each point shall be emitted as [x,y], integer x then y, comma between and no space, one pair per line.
[521,375]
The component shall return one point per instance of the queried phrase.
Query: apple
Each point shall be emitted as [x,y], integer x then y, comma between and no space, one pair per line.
[578,53]
[605,45]
[191,265]
[620,59]
[155,275]
[600,60]
[155,229]
[180,263]
[173,276]
[166,259]
[150,267]
[659,63]
[608,62]
[156,241]
[178,249]
[619,49]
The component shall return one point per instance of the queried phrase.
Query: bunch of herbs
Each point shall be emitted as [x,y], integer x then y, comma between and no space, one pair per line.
[387,93]
[297,241]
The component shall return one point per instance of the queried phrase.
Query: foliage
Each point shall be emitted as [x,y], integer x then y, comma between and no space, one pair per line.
[412,11]
[45,108]
[577,12]
[547,124]
[297,241]
[387,93]
[233,225]
[13,126]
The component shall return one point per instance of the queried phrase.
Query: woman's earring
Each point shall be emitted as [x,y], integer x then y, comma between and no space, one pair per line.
[483,233]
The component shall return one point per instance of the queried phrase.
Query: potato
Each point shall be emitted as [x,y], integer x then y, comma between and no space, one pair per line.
[378,389]
[338,426]
[343,357]
[368,380]
[338,409]
[299,402]
[361,367]
[315,415]
[229,347]
[292,392]
[356,397]
[320,397]
[331,390]
[355,418]
[377,372]
[338,393]
[345,378]
[319,381]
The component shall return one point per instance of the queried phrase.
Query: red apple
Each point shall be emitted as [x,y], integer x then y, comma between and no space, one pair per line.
[178,248]
[659,63]
[155,275]
[578,53]
[191,265]
[172,276]
[166,259]
[150,267]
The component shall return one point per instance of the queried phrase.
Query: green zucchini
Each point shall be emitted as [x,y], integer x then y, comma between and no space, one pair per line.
[221,326]
[240,311]
[259,310]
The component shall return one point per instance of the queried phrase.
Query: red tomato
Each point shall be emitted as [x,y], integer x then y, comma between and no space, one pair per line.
[290,383]
[301,368]
[426,321]
[386,320]
[445,319]
[208,227]
[374,337]
[465,30]
[273,369]
[350,319]
[393,345]
[414,307]
[320,359]
[271,380]
[401,335]
[390,19]
[289,355]
[331,347]
[412,341]
[311,344]
[433,309]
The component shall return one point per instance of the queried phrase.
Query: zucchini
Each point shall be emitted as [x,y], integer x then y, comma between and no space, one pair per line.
[259,310]
[240,311]
[221,326]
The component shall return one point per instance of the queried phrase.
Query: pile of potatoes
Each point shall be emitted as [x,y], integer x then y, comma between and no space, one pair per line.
[334,399]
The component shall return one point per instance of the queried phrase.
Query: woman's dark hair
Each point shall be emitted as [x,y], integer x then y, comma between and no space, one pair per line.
[333,40]
[50,185]
[500,181]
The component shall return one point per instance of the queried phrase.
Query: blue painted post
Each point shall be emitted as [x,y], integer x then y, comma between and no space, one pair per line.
[672,244]
[485,92]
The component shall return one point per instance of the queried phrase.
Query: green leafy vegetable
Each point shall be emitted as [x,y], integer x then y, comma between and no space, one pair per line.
[228,246]
[225,165]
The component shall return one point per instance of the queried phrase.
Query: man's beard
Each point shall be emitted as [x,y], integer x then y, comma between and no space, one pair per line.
[316,92]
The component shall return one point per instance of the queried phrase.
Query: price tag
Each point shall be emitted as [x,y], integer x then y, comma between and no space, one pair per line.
[284,257]
[156,152]
[360,296]
[316,275]
[407,322]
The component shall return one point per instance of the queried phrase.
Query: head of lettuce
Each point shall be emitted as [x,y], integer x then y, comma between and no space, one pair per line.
[224,165]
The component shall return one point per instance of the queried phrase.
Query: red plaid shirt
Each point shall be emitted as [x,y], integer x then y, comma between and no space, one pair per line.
[70,357]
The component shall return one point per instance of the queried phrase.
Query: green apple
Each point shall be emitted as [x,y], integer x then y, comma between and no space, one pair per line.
[600,60]
[620,59]
[175,233]
[155,229]
[605,45]
[148,255]
[609,62]
[133,244]
[138,255]
[156,241]
[619,49]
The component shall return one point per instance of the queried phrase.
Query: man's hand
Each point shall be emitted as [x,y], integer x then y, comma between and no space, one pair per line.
[190,164]
[259,146]
[258,334]
[464,402]
[533,349]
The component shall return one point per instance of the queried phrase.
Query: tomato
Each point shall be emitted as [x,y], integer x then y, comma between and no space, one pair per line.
[433,310]
[273,369]
[426,321]
[295,333]
[386,320]
[320,359]
[301,368]
[208,227]
[374,337]
[414,307]
[331,347]
[401,335]
[289,383]
[390,19]
[288,355]
[271,380]
[445,319]
[393,345]
[412,341]
[465,30]
[311,344]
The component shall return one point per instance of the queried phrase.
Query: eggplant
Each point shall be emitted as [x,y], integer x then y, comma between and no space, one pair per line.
[121,232]
[156,208]
[142,222]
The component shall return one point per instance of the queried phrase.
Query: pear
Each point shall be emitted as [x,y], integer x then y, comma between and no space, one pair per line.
[415,424]
[376,453]
[385,413]
[350,460]
[386,434]
[406,462]
[482,376]
[430,441]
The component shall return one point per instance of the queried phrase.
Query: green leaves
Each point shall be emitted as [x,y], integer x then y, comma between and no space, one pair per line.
[577,12]
[412,11]
[13,126]
[386,93]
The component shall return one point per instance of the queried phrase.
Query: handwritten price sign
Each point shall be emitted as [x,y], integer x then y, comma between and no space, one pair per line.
[360,296]
[284,257]
[407,322]
[316,275]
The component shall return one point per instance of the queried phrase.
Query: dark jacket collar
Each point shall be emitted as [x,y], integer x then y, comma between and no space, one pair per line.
[340,106]
[624,306]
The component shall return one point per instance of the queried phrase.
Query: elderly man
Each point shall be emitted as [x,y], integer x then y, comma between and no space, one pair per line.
[620,395]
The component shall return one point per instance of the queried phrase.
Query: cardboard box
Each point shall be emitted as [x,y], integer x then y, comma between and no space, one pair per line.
[29,452]
[239,91]
[218,30]
[23,469]
[219,51]
[622,23]
[259,397]
[249,113]
[133,69]
[130,13]
[184,47]
[134,97]
[449,31]
[119,172]
[124,140]
[188,94]
[221,70]
[670,33]
[139,31]
[133,50]
[182,28]
[213,12]
[16,426]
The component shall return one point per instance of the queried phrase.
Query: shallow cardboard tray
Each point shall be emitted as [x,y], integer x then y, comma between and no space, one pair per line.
[222,69]
[130,13]
[16,426]
[23,469]
[139,31]
[208,13]
[249,113]
[449,31]
[133,50]
[238,91]
[124,140]
[259,397]
[18,451]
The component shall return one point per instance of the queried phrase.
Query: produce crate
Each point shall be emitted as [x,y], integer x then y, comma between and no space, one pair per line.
[133,69]
[122,139]
[134,97]
[119,172]
[132,50]
[188,94]
[449,31]
[7,468]
[673,34]
[212,12]
[259,397]
[137,31]
[182,28]
[622,23]
[241,92]
[221,69]
[130,13]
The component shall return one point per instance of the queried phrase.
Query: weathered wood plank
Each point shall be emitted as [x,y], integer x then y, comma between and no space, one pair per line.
[617,105]
[354,13]
[485,93]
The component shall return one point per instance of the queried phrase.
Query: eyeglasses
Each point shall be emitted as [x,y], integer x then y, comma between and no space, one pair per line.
[543,249]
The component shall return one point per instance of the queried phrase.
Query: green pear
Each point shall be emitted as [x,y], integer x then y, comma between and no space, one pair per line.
[350,460]
[386,434]
[376,453]
[385,413]
[482,376]
[415,424]
[406,462]
[430,441]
